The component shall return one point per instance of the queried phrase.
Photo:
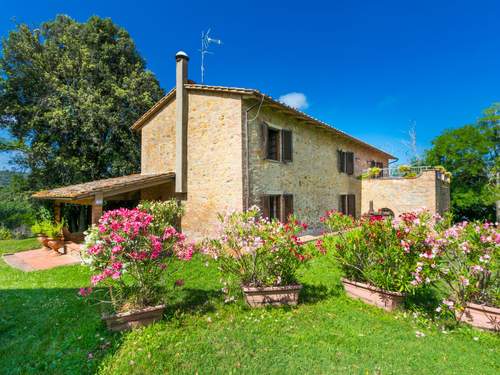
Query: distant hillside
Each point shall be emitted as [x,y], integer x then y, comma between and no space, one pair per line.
[6,176]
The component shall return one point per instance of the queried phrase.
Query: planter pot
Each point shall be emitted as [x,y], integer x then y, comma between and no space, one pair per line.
[374,296]
[55,243]
[132,319]
[271,295]
[480,316]
[44,241]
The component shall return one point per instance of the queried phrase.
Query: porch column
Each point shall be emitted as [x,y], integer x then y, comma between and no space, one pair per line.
[57,212]
[97,208]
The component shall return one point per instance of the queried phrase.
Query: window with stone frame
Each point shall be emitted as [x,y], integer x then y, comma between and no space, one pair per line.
[347,204]
[276,206]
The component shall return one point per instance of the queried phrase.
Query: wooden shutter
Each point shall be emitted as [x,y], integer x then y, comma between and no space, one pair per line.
[287,207]
[349,168]
[341,160]
[351,205]
[264,128]
[287,145]
[343,203]
[264,205]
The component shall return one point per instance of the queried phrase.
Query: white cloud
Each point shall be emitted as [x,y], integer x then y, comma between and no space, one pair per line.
[295,99]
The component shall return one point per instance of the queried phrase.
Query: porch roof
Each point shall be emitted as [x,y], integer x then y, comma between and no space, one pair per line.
[106,187]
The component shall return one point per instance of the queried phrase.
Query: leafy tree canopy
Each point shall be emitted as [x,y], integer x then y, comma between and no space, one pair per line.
[68,93]
[472,154]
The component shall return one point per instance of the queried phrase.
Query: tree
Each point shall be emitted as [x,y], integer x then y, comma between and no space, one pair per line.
[471,153]
[69,92]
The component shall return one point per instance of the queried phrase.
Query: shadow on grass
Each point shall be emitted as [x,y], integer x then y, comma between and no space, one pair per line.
[313,293]
[191,300]
[51,331]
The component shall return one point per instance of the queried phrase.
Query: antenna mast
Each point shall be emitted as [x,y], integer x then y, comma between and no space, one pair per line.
[205,43]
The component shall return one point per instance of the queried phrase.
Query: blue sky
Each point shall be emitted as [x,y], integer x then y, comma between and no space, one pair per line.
[369,68]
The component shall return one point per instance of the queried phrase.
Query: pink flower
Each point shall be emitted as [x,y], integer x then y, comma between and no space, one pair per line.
[84,292]
[117,266]
[464,281]
[116,249]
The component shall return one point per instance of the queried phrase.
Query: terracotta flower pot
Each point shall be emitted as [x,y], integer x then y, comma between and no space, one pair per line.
[44,241]
[374,296]
[55,243]
[132,319]
[480,316]
[271,295]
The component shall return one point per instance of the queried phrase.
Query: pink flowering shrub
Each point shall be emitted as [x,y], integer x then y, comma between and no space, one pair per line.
[376,250]
[257,252]
[464,260]
[129,260]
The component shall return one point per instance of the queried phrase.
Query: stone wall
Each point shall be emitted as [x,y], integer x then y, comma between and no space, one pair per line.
[429,190]
[214,157]
[158,142]
[312,177]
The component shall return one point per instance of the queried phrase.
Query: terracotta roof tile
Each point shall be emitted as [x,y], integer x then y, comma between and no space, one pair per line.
[107,185]
[256,93]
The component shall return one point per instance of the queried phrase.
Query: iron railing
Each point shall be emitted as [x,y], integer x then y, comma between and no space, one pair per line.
[397,172]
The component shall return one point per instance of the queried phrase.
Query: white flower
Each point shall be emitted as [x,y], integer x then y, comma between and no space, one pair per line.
[419,334]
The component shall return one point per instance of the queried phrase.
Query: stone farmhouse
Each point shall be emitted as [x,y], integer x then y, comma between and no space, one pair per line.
[225,148]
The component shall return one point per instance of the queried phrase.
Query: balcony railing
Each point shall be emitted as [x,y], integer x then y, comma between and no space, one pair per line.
[398,172]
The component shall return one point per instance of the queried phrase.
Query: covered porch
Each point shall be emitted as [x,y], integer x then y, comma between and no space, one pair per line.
[131,189]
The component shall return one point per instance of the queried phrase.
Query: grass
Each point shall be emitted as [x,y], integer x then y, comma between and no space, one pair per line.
[46,328]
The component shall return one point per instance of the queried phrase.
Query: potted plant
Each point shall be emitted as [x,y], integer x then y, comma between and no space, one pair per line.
[261,256]
[55,239]
[466,266]
[40,230]
[377,255]
[130,263]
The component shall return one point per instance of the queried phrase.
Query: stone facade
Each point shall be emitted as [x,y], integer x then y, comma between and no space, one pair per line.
[214,157]
[429,190]
[312,177]
[220,178]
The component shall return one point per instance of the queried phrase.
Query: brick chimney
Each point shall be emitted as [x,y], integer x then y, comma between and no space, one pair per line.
[181,109]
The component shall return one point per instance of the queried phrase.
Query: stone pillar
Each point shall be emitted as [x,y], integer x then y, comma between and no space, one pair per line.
[97,208]
[57,212]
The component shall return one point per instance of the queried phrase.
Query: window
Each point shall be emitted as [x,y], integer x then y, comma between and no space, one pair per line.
[345,162]
[273,144]
[347,204]
[287,145]
[277,144]
[277,206]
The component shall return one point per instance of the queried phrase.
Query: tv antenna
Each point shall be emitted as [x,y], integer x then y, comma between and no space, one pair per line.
[205,43]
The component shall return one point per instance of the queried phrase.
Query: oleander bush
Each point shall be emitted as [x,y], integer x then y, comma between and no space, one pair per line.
[464,260]
[376,250]
[253,251]
[129,260]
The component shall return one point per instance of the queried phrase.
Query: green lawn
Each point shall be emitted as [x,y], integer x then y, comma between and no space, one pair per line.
[46,328]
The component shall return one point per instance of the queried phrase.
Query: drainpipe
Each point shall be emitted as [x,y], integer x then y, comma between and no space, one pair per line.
[247,151]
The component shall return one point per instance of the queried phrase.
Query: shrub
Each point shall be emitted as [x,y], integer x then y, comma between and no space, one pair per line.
[465,261]
[254,251]
[53,230]
[130,260]
[165,213]
[42,227]
[5,233]
[379,251]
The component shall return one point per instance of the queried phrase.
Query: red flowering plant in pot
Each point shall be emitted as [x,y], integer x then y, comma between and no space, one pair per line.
[259,255]
[129,263]
[377,255]
[464,261]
